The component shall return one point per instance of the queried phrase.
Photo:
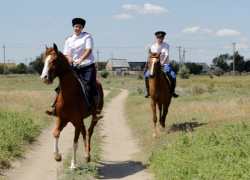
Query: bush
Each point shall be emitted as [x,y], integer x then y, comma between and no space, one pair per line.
[184,72]
[140,76]
[104,73]
[218,72]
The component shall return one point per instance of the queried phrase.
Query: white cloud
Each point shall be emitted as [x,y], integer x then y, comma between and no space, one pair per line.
[239,46]
[196,29]
[152,9]
[227,32]
[131,7]
[122,16]
[49,17]
[243,39]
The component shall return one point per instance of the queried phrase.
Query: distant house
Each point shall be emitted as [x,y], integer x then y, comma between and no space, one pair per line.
[117,64]
[137,66]
[8,64]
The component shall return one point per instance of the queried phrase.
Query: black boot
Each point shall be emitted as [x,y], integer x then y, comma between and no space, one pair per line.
[147,87]
[173,84]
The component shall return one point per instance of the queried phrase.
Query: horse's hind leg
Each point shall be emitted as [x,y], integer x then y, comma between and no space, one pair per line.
[59,127]
[75,145]
[83,131]
[89,135]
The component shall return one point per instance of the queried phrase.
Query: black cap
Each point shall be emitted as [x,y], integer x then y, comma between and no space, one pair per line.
[78,21]
[160,33]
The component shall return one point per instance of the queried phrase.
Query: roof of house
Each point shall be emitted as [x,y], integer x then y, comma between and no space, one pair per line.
[8,64]
[119,62]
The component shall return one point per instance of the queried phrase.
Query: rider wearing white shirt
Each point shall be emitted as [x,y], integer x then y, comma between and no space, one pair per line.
[164,60]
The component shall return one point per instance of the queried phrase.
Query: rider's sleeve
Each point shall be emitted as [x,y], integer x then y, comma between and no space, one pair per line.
[66,48]
[89,43]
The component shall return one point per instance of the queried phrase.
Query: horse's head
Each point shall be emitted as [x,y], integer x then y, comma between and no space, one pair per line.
[154,63]
[52,65]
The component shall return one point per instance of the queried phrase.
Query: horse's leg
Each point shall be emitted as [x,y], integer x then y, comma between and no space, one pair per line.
[83,131]
[89,134]
[164,115]
[60,124]
[153,106]
[160,114]
[75,145]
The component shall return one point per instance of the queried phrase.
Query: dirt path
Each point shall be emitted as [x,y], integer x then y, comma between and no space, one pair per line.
[119,145]
[39,164]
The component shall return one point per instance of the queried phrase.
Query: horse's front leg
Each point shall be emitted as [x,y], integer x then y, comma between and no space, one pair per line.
[153,106]
[75,146]
[59,127]
[83,131]
[89,135]
[160,116]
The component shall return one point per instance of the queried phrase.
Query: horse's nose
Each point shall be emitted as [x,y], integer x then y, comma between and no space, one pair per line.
[44,78]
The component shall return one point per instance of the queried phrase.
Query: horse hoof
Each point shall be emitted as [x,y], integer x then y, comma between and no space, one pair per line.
[87,159]
[154,136]
[72,169]
[58,158]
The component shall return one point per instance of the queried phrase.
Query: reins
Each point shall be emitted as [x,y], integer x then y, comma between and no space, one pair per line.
[57,74]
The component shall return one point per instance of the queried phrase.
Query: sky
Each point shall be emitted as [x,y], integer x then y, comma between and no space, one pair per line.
[124,29]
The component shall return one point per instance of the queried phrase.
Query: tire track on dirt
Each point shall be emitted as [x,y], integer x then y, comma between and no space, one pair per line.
[119,145]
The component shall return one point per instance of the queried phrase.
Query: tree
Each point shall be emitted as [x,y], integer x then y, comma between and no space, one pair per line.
[239,62]
[247,66]
[221,61]
[38,64]
[174,66]
[193,68]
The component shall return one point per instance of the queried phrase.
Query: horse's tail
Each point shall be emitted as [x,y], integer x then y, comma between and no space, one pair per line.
[100,90]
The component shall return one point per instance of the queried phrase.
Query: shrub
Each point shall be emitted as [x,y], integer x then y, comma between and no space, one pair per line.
[104,73]
[218,72]
[139,76]
[184,72]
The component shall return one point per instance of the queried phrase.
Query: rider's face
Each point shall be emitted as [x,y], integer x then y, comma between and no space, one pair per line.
[160,39]
[78,29]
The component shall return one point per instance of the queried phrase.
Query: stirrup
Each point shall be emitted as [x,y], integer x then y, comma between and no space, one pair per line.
[175,95]
[51,112]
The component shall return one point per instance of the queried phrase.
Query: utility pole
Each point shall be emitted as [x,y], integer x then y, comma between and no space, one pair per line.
[234,58]
[183,57]
[97,63]
[4,59]
[26,61]
[179,55]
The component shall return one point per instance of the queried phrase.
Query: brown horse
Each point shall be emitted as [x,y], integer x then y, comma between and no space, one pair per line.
[159,90]
[71,105]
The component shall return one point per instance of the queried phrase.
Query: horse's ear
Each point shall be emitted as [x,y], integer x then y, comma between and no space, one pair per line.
[55,48]
[46,47]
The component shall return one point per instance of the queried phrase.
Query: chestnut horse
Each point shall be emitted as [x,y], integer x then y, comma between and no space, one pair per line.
[159,90]
[71,105]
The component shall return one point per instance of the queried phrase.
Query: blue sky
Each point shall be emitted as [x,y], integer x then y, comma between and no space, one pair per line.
[124,29]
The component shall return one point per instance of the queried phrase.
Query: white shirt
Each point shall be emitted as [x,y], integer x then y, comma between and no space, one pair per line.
[76,46]
[164,51]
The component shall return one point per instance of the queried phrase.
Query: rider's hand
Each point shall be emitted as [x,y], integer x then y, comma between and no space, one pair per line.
[70,60]
[162,64]
[78,62]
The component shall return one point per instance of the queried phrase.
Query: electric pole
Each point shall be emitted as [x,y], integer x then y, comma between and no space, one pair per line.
[26,61]
[97,62]
[179,55]
[234,58]
[4,59]
[183,57]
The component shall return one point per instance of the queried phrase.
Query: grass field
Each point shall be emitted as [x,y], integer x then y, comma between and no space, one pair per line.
[217,150]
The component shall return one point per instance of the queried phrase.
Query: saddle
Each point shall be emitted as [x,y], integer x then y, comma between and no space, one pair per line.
[168,78]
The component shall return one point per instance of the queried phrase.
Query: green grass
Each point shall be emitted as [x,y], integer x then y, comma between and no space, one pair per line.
[16,130]
[221,153]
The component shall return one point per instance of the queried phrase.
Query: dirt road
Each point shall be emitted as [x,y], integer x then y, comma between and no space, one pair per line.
[118,146]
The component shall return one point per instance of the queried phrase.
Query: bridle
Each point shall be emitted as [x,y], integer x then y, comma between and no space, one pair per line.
[58,73]
[155,72]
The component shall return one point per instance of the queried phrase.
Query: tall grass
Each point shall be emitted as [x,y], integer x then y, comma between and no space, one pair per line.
[23,99]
